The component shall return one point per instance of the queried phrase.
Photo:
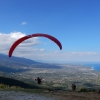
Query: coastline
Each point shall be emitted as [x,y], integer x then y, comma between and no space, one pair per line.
[92,68]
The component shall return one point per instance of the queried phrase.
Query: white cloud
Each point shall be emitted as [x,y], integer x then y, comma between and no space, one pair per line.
[80,53]
[16,35]
[57,53]
[69,56]
[6,40]
[28,49]
[23,23]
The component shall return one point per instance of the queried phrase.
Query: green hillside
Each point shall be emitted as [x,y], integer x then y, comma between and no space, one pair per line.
[13,82]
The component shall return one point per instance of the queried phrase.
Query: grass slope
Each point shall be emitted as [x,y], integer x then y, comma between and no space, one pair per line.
[13,82]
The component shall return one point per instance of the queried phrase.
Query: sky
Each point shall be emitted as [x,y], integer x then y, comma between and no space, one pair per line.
[75,23]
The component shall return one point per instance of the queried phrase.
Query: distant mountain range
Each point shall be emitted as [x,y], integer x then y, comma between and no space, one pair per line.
[18,64]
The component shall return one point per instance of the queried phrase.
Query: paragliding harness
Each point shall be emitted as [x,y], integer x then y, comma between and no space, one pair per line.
[39,80]
[73,87]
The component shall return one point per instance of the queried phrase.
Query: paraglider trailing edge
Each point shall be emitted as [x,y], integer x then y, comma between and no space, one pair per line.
[16,43]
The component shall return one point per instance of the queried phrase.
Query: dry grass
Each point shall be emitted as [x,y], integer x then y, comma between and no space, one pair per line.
[77,96]
[58,95]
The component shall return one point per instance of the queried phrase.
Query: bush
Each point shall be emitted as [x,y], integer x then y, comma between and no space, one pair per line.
[4,86]
[15,87]
[83,90]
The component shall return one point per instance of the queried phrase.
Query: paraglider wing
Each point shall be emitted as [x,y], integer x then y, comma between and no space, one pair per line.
[50,37]
[16,43]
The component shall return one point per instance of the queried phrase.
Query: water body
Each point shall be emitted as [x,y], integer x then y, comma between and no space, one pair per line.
[95,66]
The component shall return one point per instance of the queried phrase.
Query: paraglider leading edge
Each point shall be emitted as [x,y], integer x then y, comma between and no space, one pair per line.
[16,43]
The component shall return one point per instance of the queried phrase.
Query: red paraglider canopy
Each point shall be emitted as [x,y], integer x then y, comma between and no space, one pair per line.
[16,43]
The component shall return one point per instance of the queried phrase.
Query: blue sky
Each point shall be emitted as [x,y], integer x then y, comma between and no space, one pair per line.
[75,23]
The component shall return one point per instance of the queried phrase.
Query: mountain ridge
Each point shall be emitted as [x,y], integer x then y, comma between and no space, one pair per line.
[18,64]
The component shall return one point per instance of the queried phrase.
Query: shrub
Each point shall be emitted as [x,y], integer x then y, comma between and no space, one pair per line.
[83,90]
[4,86]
